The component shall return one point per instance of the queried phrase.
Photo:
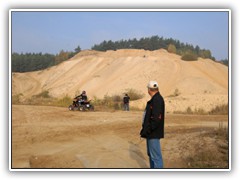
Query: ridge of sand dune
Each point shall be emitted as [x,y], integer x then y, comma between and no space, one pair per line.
[112,72]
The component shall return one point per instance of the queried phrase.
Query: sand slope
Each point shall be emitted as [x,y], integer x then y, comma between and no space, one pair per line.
[202,83]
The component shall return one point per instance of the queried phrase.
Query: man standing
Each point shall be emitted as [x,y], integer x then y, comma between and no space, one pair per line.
[153,125]
[126,99]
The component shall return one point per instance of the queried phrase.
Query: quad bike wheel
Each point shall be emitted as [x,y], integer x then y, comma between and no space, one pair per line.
[91,108]
[81,108]
[71,108]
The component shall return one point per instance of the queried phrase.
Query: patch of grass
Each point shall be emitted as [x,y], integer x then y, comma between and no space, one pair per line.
[115,102]
[203,159]
[214,155]
[189,110]
[221,132]
[39,101]
[44,100]
[175,93]
[63,102]
[43,94]
[221,109]
[218,110]
[16,99]
[134,94]
[108,102]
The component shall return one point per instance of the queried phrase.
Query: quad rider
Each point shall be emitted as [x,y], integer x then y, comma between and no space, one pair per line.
[82,98]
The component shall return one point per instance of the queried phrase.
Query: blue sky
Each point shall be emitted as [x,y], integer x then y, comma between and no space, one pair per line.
[50,32]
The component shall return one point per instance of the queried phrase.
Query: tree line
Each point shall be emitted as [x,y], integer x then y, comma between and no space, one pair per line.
[187,51]
[38,61]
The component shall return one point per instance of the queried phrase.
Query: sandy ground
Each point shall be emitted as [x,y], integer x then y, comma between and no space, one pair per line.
[201,84]
[53,137]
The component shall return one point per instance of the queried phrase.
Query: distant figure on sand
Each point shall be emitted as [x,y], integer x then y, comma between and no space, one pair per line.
[126,99]
[153,125]
[82,98]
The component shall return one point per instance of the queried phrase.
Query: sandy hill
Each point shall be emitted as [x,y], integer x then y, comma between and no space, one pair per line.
[201,84]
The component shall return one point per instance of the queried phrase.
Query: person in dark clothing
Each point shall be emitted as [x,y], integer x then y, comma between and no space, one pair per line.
[153,125]
[82,98]
[75,100]
[126,99]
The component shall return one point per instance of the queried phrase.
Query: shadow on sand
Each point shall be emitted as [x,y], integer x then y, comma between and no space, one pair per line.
[137,155]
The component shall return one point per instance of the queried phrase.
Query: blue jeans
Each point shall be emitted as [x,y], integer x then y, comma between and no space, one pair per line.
[126,107]
[154,153]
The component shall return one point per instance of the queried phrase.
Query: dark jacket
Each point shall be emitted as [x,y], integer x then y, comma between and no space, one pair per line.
[153,123]
[126,99]
[82,97]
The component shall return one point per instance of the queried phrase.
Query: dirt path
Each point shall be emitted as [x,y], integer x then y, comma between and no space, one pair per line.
[52,137]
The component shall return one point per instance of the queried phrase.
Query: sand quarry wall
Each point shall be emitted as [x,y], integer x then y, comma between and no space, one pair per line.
[200,84]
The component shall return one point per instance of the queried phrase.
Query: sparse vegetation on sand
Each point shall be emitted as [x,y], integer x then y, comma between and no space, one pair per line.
[126,71]
[68,139]
[16,99]
[175,94]
[43,99]
[63,102]
[218,110]
[43,94]
[134,94]
[189,110]
[210,153]
[114,102]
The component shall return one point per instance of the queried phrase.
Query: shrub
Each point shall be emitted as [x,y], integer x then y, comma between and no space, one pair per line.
[16,98]
[221,109]
[134,94]
[189,56]
[96,101]
[43,94]
[117,106]
[189,110]
[115,101]
[200,111]
[63,102]
[116,98]
[218,110]
[172,48]
[215,156]
[176,93]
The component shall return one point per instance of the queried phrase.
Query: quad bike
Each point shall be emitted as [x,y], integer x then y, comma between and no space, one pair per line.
[81,106]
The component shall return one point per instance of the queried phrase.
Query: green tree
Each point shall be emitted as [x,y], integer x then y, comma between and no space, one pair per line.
[153,43]
[172,48]
[205,54]
[62,56]
[31,61]
[189,56]
[77,50]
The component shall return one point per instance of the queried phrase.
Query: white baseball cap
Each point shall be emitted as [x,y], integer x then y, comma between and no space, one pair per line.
[152,84]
